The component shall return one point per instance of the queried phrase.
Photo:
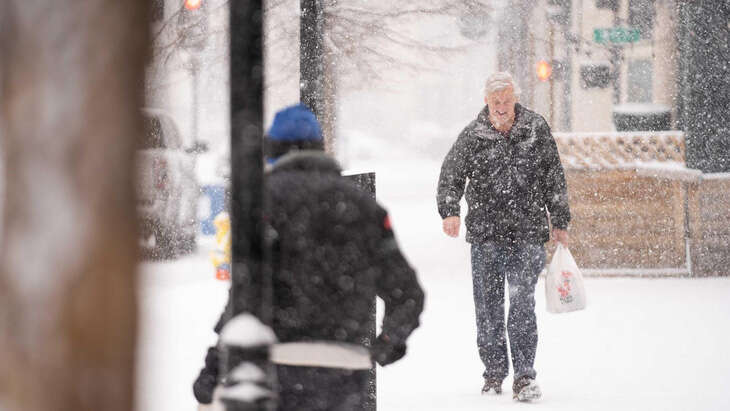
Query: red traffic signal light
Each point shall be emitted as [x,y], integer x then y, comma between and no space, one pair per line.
[544,70]
[193,4]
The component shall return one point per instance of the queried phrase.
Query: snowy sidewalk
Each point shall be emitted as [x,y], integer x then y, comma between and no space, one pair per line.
[641,345]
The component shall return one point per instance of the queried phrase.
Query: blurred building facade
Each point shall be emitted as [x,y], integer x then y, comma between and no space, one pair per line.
[627,65]
[606,56]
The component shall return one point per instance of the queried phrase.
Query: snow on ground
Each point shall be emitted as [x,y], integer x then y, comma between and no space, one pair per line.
[642,344]
[180,302]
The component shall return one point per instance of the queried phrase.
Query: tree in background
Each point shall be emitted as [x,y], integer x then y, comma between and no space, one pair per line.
[360,40]
[71,78]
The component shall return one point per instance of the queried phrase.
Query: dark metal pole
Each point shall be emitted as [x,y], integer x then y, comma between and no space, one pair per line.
[311,56]
[366,181]
[250,289]
[246,156]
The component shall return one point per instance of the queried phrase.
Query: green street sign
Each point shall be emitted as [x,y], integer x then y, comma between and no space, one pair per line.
[616,35]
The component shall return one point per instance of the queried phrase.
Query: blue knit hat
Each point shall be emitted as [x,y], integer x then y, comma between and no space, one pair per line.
[294,128]
[295,123]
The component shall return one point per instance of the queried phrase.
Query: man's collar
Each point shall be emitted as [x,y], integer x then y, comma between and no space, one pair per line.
[306,160]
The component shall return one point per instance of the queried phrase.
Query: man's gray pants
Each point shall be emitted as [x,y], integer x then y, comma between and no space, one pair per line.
[521,265]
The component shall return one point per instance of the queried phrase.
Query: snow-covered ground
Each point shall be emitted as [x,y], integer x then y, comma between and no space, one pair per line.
[642,344]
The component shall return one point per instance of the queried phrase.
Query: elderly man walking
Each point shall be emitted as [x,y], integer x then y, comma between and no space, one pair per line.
[515,184]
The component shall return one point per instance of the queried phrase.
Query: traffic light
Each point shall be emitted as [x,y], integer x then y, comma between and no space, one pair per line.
[192,24]
[193,5]
[544,70]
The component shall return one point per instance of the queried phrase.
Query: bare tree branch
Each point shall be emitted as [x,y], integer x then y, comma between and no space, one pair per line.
[362,41]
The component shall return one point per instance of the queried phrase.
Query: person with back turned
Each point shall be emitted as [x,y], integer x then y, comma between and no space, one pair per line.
[333,252]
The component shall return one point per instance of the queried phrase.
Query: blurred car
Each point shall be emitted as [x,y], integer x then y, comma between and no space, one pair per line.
[167,188]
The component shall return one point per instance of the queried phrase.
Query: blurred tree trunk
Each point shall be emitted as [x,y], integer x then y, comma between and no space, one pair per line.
[317,68]
[317,88]
[71,82]
[329,116]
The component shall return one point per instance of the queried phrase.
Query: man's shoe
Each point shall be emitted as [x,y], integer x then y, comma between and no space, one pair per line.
[492,386]
[525,389]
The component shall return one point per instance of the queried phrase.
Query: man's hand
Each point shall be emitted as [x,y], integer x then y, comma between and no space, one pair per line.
[561,236]
[451,226]
[384,353]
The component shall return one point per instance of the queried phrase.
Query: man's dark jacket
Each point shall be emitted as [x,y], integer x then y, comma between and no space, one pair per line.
[333,252]
[512,180]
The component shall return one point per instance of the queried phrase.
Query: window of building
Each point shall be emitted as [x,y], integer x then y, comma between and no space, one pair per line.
[640,81]
[641,16]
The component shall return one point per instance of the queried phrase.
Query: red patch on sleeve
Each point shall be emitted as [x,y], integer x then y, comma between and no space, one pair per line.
[386,223]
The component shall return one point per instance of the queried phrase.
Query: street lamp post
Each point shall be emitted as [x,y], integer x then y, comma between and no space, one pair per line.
[249,379]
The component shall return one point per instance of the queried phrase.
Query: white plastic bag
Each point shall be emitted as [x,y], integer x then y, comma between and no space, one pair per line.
[564,289]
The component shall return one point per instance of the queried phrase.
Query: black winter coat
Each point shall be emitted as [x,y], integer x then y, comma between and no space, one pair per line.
[512,180]
[334,251]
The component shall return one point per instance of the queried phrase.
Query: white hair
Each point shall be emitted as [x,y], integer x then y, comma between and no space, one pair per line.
[500,81]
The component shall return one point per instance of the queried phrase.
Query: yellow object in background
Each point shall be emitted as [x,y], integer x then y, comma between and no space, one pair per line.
[221,255]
